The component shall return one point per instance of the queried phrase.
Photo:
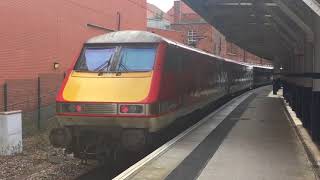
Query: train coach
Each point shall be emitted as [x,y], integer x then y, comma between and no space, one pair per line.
[127,85]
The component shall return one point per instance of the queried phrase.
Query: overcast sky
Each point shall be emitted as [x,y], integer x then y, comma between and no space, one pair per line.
[164,5]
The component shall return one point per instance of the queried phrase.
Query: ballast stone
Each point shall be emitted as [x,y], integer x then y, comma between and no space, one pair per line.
[10,133]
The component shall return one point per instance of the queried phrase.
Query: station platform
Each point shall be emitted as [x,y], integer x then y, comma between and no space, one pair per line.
[249,138]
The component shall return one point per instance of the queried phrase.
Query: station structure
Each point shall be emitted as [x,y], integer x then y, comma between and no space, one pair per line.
[257,135]
[284,31]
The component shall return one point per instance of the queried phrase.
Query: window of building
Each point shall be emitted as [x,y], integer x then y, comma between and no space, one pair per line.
[192,37]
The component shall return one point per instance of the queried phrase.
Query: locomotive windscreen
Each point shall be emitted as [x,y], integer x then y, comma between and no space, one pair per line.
[136,59]
[116,59]
[96,59]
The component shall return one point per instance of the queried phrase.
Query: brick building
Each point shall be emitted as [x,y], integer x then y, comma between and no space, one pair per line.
[198,33]
[159,22]
[41,38]
[156,18]
[37,33]
[170,34]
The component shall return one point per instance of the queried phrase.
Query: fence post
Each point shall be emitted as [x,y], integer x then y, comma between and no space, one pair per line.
[5,97]
[39,104]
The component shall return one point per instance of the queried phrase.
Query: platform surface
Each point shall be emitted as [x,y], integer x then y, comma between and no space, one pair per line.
[262,145]
[250,139]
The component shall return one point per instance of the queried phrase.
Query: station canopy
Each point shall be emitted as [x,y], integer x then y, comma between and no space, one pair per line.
[268,28]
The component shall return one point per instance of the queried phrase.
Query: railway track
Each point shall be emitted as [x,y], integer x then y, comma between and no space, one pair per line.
[109,171]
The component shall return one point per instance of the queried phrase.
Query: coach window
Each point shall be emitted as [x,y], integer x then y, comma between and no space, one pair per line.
[173,60]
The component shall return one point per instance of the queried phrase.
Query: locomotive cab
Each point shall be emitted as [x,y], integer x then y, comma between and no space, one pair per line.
[109,95]
[113,77]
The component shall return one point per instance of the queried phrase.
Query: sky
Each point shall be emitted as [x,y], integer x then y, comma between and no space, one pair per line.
[164,5]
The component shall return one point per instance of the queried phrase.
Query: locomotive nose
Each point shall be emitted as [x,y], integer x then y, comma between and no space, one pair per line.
[89,87]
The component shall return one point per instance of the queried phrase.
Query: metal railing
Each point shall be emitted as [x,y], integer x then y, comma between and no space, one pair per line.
[35,97]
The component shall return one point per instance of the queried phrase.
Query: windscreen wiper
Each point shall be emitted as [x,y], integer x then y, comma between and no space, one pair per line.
[125,68]
[103,66]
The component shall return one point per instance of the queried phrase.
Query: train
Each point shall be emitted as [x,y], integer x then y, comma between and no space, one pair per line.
[126,86]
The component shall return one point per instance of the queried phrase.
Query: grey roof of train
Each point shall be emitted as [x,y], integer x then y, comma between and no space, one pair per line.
[130,36]
[127,37]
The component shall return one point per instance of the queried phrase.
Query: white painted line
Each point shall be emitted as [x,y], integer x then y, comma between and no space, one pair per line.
[134,169]
[310,147]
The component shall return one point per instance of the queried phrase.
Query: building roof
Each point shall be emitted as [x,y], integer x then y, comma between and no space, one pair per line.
[185,9]
[153,11]
[270,29]
[187,14]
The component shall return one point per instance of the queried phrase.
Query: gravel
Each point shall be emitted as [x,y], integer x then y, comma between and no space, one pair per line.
[39,160]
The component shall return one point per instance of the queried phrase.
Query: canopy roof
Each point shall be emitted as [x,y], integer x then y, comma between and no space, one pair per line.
[269,28]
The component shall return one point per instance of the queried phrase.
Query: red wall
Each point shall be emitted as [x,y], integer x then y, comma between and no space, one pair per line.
[36,33]
[203,29]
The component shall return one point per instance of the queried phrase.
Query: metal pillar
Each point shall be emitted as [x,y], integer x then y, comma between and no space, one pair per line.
[5,97]
[315,102]
[306,90]
[287,83]
[39,103]
[294,77]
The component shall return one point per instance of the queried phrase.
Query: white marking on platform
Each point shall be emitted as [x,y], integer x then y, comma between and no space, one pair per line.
[304,135]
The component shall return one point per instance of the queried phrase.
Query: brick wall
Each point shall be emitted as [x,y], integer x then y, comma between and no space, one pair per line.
[1,98]
[204,32]
[32,96]
[170,34]
[191,17]
[37,33]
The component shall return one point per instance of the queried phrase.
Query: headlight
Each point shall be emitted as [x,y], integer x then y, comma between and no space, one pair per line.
[74,108]
[79,108]
[65,108]
[70,107]
[131,109]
